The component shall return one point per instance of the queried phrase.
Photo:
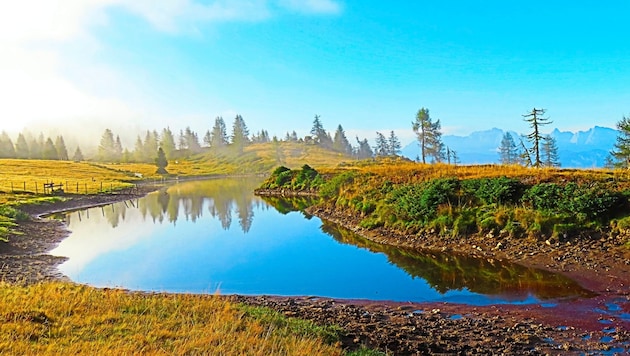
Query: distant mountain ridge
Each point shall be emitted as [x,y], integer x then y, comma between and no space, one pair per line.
[581,149]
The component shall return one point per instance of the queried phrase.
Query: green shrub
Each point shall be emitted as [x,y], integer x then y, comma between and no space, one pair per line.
[332,187]
[419,202]
[465,223]
[500,190]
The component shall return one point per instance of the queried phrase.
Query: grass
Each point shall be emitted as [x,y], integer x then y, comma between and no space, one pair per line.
[61,318]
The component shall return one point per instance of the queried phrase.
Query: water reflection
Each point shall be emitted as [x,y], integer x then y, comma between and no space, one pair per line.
[447,272]
[221,197]
[201,237]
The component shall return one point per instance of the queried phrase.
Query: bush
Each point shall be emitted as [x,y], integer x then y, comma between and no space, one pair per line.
[332,187]
[465,223]
[583,202]
[419,202]
[501,190]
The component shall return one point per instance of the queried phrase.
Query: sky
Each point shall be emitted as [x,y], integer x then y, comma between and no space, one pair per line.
[80,66]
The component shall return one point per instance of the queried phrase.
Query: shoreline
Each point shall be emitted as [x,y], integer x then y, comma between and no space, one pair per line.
[404,328]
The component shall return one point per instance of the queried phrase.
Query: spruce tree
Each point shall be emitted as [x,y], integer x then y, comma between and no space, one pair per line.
[7,150]
[62,151]
[167,142]
[50,151]
[393,144]
[219,134]
[508,153]
[382,146]
[78,155]
[340,142]
[21,147]
[161,162]
[550,152]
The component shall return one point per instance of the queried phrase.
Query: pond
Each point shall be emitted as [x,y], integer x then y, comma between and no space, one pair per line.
[215,236]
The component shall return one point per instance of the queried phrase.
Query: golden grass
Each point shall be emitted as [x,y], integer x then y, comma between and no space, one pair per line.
[411,172]
[63,319]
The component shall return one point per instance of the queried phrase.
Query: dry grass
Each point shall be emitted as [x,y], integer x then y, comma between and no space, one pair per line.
[410,172]
[65,319]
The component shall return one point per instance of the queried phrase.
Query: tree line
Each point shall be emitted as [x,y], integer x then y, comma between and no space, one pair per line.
[533,149]
[28,146]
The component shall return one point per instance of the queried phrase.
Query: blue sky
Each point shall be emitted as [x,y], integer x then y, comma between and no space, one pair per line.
[133,65]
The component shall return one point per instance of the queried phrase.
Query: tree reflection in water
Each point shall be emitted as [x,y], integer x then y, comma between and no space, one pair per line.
[446,272]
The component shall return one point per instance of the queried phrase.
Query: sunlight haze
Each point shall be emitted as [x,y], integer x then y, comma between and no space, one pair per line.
[83,66]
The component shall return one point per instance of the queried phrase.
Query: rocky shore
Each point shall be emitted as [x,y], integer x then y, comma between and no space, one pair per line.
[599,325]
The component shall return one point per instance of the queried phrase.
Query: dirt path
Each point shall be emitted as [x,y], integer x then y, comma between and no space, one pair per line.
[599,325]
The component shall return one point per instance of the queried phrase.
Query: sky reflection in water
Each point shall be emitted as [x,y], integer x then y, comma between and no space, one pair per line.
[215,235]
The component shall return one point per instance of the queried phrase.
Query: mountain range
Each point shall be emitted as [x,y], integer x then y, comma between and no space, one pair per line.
[582,149]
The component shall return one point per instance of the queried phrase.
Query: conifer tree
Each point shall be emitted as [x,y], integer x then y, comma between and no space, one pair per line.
[161,162]
[21,147]
[340,142]
[7,150]
[62,151]
[535,120]
[621,150]
[106,149]
[550,152]
[363,150]
[50,151]
[429,136]
[240,134]
[508,153]
[167,142]
[78,155]
[219,134]
[393,144]
[382,147]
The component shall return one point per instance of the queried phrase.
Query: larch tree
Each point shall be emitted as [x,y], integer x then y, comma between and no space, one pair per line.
[621,149]
[429,136]
[508,153]
[535,119]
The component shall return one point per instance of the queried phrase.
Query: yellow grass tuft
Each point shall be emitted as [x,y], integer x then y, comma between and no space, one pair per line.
[60,318]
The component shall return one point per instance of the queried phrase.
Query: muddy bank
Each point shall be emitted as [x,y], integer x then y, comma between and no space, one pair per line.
[25,258]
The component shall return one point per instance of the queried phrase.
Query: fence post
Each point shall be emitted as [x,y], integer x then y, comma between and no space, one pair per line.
[85,188]
[77,187]
[12,191]
[101,186]
[36,192]
[24,185]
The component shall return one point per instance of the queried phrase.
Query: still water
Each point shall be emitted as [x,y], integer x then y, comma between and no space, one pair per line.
[215,236]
